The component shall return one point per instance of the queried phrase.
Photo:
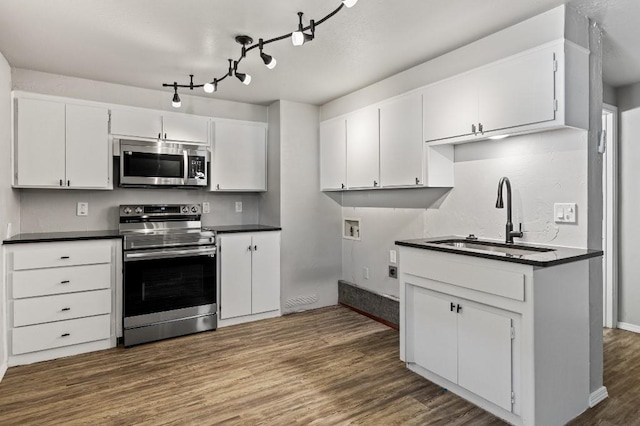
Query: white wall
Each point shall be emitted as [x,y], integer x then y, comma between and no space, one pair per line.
[629,205]
[310,221]
[9,200]
[54,210]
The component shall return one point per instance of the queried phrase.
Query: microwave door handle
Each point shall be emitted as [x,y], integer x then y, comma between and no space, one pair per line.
[186,166]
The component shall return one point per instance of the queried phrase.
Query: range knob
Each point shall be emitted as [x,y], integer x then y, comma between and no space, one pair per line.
[127,210]
[185,209]
[138,210]
[194,209]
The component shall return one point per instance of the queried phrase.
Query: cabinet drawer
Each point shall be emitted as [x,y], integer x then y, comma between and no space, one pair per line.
[40,310]
[49,255]
[62,333]
[43,282]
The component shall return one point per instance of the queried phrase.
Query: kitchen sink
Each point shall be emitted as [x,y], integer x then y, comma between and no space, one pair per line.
[509,249]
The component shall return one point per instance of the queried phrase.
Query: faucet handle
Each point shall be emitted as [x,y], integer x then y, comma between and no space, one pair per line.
[519,234]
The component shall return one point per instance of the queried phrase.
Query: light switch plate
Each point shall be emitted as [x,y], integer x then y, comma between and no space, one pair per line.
[565,212]
[206,208]
[82,209]
[238,206]
[393,256]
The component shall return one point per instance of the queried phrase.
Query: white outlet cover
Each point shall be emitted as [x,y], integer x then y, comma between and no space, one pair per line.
[206,208]
[393,256]
[82,209]
[238,206]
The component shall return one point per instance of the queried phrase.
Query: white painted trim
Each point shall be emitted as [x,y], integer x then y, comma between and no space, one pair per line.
[248,318]
[598,396]
[3,370]
[610,224]
[629,327]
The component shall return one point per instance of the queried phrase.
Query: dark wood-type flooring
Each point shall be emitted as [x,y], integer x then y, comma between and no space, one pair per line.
[328,366]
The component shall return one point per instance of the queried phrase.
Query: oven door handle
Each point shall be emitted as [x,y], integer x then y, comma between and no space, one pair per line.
[166,254]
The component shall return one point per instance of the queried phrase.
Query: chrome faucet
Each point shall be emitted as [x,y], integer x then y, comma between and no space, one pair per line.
[510,233]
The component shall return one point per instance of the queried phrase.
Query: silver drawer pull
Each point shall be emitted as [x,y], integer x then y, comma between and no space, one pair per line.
[65,309]
[65,282]
[64,257]
[65,335]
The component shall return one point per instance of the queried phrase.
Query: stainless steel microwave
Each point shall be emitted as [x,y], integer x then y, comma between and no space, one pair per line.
[162,164]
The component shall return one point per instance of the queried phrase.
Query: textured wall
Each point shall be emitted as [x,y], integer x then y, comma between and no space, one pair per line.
[9,198]
[310,221]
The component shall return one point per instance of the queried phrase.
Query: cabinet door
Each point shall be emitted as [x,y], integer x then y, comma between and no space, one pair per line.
[136,123]
[239,157]
[235,275]
[40,143]
[87,148]
[432,328]
[517,92]
[333,154]
[265,267]
[450,108]
[363,149]
[184,128]
[484,355]
[401,141]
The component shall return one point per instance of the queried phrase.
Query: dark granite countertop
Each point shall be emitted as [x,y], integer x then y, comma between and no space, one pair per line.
[231,229]
[43,237]
[557,256]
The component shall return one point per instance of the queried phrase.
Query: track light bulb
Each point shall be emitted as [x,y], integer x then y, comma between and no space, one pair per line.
[175,102]
[244,78]
[297,38]
[208,87]
[349,3]
[269,61]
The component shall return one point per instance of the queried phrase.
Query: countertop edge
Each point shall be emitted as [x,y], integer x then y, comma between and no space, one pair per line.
[48,238]
[531,262]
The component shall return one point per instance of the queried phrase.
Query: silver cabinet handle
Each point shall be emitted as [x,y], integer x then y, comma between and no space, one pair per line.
[480,128]
[473,129]
[343,186]
[417,181]
[375,183]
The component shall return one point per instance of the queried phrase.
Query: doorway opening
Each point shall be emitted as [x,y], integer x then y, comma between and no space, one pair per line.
[610,215]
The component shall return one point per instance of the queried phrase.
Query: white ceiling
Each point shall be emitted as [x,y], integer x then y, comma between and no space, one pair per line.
[145,43]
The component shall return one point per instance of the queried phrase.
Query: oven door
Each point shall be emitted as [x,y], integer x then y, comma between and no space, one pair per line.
[167,284]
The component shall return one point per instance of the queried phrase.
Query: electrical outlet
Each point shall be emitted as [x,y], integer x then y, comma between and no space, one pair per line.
[206,208]
[238,206]
[393,271]
[365,273]
[82,209]
[393,257]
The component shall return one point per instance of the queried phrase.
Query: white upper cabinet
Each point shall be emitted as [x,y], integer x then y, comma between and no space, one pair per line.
[543,88]
[39,143]
[185,128]
[363,149]
[87,152]
[401,144]
[517,92]
[450,108]
[136,123]
[239,156]
[333,154]
[61,145]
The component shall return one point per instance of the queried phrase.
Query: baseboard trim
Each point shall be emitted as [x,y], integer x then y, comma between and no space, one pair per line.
[373,317]
[3,370]
[629,327]
[598,396]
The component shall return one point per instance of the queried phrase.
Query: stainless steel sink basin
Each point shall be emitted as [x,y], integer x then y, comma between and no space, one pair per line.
[509,249]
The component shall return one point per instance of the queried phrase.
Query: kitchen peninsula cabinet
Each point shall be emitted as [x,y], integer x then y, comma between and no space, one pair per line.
[238,156]
[61,145]
[249,272]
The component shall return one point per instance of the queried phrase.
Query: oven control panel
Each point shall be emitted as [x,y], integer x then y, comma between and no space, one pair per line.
[159,210]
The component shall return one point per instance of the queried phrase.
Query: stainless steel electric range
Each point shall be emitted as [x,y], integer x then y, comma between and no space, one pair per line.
[169,284]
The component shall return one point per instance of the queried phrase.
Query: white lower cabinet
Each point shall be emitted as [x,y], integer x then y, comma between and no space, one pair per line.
[510,338]
[61,298]
[249,274]
[463,342]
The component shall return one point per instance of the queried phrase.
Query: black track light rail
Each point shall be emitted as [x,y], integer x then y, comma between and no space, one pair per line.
[233,65]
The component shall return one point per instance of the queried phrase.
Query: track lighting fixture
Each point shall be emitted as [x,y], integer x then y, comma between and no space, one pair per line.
[176,103]
[298,38]
[269,61]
